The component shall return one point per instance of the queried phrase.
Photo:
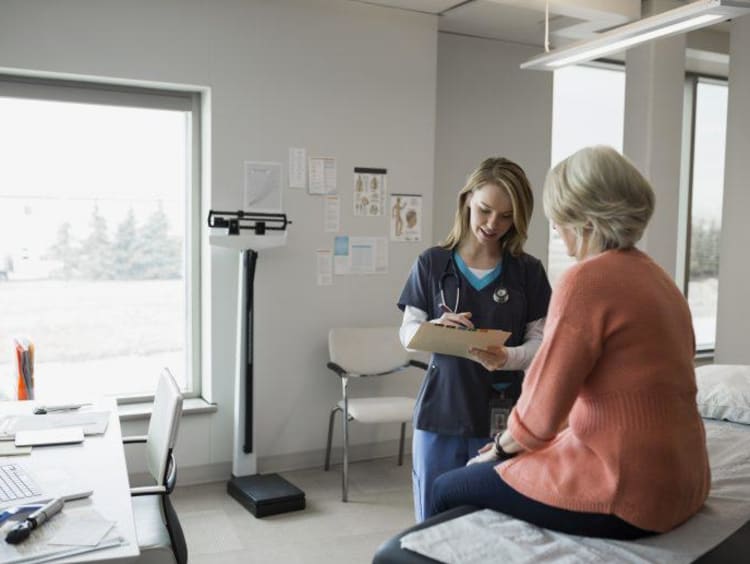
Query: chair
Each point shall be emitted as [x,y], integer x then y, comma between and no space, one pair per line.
[160,536]
[365,353]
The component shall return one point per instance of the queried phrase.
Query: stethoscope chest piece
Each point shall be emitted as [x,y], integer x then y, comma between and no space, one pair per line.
[500,295]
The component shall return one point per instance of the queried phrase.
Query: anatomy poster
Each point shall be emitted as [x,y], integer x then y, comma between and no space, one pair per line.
[406,217]
[369,191]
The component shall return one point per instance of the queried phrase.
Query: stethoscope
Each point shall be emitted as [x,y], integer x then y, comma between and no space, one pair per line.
[499,296]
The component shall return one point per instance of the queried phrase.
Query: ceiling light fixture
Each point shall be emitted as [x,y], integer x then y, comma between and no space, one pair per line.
[679,20]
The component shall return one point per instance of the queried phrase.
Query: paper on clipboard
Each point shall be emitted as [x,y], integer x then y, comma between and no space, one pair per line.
[443,339]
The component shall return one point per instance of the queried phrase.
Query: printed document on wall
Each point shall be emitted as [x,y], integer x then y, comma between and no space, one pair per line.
[331,214]
[297,167]
[324,259]
[262,187]
[322,173]
[360,255]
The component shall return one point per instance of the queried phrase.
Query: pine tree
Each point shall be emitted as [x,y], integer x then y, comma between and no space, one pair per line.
[125,248]
[64,250]
[96,258]
[158,255]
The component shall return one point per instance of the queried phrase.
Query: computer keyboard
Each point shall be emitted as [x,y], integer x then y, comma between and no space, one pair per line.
[15,483]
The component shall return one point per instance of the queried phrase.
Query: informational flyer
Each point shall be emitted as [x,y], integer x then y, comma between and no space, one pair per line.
[262,187]
[360,255]
[324,260]
[406,217]
[369,191]
[322,172]
[297,167]
[331,214]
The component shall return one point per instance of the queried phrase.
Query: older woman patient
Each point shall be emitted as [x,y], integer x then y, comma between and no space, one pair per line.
[615,364]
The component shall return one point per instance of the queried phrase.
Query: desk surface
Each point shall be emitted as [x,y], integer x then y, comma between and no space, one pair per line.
[99,462]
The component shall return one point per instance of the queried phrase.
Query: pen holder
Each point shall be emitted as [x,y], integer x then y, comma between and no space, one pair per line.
[25,369]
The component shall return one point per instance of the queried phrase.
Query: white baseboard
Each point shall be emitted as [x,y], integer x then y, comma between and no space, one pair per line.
[220,471]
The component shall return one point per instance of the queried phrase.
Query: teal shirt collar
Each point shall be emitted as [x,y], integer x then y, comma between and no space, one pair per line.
[476,282]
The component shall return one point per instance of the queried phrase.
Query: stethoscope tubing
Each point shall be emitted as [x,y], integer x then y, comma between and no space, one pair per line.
[499,296]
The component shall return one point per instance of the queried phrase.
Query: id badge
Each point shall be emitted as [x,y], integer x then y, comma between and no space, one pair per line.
[500,409]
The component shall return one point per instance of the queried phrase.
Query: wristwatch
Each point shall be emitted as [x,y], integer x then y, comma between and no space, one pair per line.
[498,449]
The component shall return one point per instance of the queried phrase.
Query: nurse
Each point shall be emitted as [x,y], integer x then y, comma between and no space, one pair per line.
[478,277]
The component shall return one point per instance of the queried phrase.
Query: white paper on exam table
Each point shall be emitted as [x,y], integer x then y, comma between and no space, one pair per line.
[92,422]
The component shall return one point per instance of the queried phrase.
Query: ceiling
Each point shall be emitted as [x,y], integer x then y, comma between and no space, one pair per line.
[522,21]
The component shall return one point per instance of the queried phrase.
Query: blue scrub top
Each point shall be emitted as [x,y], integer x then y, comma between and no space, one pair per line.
[456,392]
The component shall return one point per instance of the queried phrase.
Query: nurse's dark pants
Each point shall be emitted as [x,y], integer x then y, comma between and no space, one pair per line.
[481,486]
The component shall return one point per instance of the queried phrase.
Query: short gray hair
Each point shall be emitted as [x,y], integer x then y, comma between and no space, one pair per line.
[599,191]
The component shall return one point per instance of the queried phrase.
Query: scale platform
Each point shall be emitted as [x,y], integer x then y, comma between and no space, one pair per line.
[266,494]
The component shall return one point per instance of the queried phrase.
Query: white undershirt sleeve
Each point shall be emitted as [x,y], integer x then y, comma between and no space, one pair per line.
[520,357]
[413,317]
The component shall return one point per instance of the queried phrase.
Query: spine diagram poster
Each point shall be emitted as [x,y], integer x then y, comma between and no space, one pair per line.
[369,191]
[406,217]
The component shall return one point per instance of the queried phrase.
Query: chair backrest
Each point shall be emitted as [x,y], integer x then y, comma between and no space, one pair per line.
[367,350]
[162,428]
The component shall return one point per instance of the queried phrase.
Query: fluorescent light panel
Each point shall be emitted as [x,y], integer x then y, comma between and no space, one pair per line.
[692,16]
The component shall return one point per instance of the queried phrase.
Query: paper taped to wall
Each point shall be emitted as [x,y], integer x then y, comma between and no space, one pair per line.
[443,339]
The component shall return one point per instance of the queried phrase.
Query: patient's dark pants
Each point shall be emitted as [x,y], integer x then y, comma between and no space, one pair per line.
[481,486]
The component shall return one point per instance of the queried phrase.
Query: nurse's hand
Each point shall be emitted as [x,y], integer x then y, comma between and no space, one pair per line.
[455,319]
[492,358]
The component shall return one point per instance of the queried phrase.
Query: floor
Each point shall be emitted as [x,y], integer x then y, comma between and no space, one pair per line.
[220,531]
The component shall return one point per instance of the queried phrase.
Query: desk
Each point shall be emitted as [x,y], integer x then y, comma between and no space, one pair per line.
[99,462]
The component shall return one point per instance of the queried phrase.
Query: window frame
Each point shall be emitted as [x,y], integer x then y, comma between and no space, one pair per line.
[685,221]
[172,98]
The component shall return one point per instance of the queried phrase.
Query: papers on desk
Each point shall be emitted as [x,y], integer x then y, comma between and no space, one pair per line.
[43,437]
[93,423]
[443,339]
[8,448]
[70,532]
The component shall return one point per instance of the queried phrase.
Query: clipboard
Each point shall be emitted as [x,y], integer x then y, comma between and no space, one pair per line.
[455,341]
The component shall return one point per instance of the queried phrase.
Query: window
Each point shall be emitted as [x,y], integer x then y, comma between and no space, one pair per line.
[98,196]
[588,109]
[706,106]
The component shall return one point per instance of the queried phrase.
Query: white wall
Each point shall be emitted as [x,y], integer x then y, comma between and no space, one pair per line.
[340,78]
[488,107]
[733,323]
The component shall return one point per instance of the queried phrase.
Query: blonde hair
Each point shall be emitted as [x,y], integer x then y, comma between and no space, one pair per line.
[598,192]
[510,177]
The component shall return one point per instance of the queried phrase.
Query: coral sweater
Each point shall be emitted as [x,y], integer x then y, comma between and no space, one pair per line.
[616,361]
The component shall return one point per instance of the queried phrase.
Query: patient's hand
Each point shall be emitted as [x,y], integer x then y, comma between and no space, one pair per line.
[508,443]
[486,454]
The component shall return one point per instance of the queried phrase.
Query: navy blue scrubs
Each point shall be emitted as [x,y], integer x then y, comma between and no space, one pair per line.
[455,399]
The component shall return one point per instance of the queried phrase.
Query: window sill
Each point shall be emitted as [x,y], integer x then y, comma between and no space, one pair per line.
[704,357]
[142,410]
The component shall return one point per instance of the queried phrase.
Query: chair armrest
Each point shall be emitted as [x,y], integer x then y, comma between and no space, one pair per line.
[147,490]
[336,368]
[134,439]
[342,372]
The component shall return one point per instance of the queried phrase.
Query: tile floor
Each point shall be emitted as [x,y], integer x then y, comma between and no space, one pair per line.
[220,531]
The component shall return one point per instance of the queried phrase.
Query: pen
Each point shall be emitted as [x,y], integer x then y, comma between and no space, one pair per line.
[42,409]
[21,532]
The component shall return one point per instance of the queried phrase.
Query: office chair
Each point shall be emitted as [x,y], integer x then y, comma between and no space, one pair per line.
[365,353]
[160,536]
